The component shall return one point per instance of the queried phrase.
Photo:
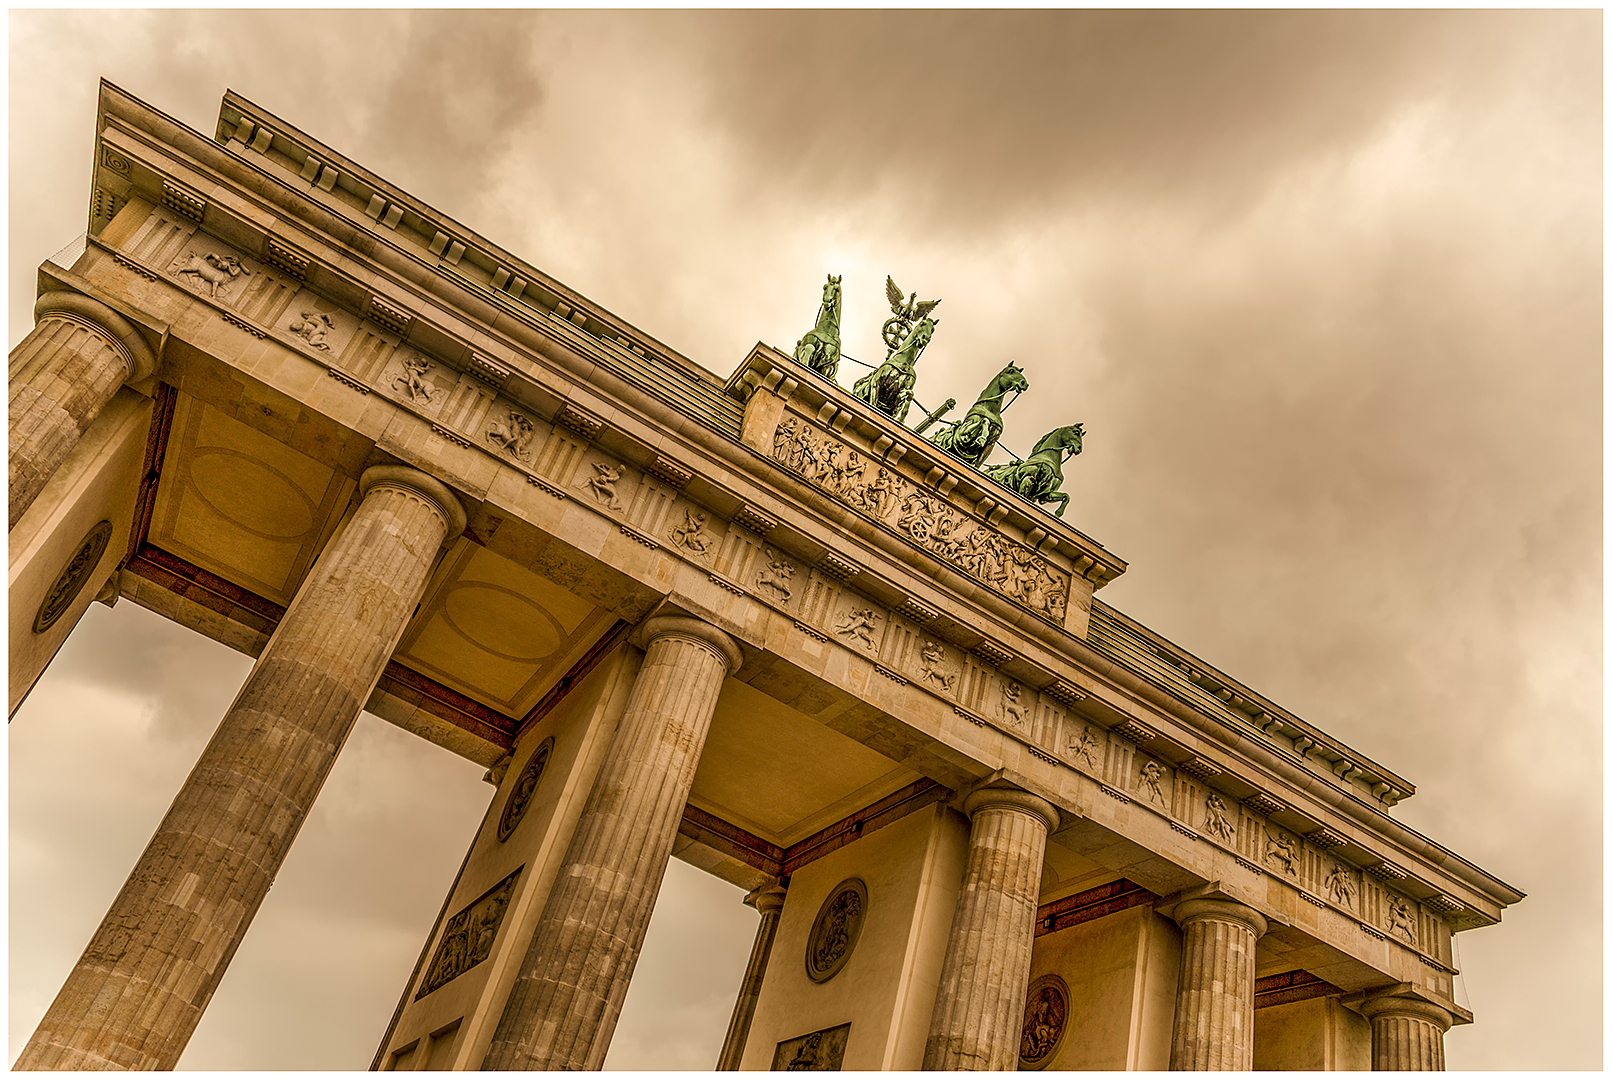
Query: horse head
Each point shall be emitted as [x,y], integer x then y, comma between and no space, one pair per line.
[1061,440]
[831,290]
[1012,378]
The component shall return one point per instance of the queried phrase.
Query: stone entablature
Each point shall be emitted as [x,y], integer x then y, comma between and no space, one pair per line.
[490,400]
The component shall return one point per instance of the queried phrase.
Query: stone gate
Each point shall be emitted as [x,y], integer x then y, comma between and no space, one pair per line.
[988,821]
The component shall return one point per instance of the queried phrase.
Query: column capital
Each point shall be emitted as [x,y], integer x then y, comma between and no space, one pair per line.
[1011,798]
[423,484]
[1399,1000]
[767,898]
[698,630]
[118,331]
[1189,911]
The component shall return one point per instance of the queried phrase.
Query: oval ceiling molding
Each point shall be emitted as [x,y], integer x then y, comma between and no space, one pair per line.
[502,622]
[256,497]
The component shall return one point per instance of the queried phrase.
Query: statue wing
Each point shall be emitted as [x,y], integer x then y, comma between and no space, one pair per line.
[893,291]
[924,308]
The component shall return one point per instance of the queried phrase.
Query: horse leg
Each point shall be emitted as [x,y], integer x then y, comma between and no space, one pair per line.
[1063,501]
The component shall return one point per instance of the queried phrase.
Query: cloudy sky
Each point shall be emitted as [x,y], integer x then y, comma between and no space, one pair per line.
[1325,290]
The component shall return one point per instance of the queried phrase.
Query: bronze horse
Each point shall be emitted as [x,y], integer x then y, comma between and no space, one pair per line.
[973,437]
[1038,477]
[820,348]
[888,387]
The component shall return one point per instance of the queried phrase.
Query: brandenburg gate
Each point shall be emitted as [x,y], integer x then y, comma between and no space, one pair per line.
[762,624]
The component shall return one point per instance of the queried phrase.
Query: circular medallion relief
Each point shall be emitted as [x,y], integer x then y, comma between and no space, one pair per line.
[520,797]
[1046,1010]
[835,932]
[73,576]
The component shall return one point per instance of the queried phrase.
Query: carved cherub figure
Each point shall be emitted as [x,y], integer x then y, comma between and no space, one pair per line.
[776,574]
[1280,850]
[857,624]
[515,437]
[1401,919]
[1216,821]
[603,484]
[1340,885]
[935,669]
[411,382]
[1086,747]
[1013,709]
[691,534]
[312,328]
[1152,773]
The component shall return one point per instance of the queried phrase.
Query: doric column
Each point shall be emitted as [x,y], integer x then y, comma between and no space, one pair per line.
[1214,1004]
[141,986]
[768,901]
[979,1007]
[573,979]
[62,375]
[1407,1034]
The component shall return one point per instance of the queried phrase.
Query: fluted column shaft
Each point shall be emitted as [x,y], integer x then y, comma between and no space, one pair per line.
[770,902]
[573,979]
[1214,1005]
[1407,1035]
[979,1007]
[140,988]
[61,377]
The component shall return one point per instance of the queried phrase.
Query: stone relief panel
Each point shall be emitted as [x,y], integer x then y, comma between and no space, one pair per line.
[821,1051]
[607,485]
[692,535]
[1341,885]
[411,376]
[922,516]
[520,797]
[1281,852]
[858,625]
[1015,706]
[939,669]
[509,432]
[211,270]
[1151,779]
[1046,1013]
[836,929]
[775,577]
[468,938]
[1217,819]
[318,324]
[1399,919]
[1087,748]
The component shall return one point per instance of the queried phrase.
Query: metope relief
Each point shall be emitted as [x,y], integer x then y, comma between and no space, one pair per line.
[1014,707]
[205,270]
[834,933]
[821,1051]
[412,382]
[1340,886]
[1401,919]
[468,938]
[1152,773]
[313,327]
[936,671]
[1282,853]
[1217,821]
[857,627]
[1086,748]
[690,535]
[602,484]
[922,517]
[775,575]
[512,433]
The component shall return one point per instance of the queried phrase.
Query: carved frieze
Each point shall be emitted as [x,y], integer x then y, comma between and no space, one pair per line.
[922,517]
[1341,886]
[1216,820]
[1150,776]
[211,271]
[511,432]
[1400,919]
[1281,853]
[1014,707]
[602,483]
[468,938]
[690,536]
[1087,748]
[775,576]
[938,672]
[857,625]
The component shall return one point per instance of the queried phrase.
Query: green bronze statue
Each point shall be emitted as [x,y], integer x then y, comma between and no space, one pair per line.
[973,437]
[888,387]
[820,348]
[1038,477]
